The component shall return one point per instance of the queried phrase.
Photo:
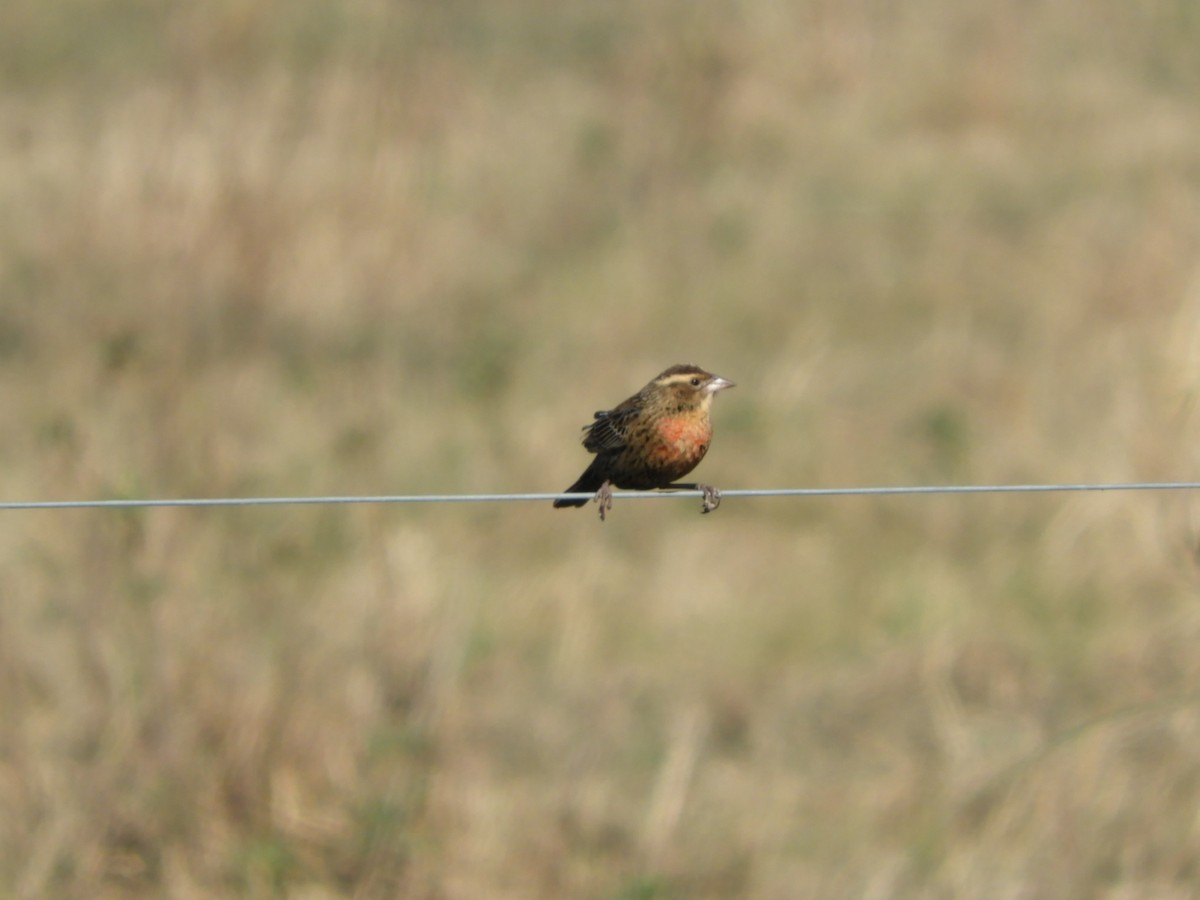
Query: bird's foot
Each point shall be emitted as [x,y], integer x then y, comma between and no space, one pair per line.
[604,498]
[712,497]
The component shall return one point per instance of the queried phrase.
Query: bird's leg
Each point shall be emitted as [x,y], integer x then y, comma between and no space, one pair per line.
[712,496]
[604,498]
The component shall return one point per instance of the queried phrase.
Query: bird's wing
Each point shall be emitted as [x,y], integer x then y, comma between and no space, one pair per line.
[611,428]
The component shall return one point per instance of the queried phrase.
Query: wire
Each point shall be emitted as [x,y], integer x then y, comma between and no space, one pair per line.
[623,495]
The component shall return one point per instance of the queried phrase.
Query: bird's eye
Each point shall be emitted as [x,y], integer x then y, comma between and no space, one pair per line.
[695,382]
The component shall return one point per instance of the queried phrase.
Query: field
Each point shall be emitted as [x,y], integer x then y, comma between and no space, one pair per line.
[312,248]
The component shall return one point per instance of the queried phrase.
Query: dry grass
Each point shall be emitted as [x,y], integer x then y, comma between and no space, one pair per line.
[371,248]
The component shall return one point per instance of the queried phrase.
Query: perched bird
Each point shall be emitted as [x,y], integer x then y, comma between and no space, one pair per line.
[656,436]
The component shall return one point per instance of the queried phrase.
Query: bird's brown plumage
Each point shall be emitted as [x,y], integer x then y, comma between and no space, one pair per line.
[652,439]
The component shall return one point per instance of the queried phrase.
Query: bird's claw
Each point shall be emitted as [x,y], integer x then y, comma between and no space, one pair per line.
[604,498]
[712,497]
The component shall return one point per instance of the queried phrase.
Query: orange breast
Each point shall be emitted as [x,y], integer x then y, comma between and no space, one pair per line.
[684,437]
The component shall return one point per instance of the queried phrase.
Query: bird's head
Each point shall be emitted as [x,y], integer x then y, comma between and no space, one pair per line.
[689,385]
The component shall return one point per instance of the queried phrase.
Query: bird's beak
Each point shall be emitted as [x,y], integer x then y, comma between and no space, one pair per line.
[719,384]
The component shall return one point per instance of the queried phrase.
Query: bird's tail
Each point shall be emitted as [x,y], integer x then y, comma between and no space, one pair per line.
[589,482]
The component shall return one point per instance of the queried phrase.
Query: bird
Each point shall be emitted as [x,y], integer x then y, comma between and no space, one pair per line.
[652,439]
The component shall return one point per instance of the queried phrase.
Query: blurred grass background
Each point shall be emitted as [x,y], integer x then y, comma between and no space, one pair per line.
[392,247]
